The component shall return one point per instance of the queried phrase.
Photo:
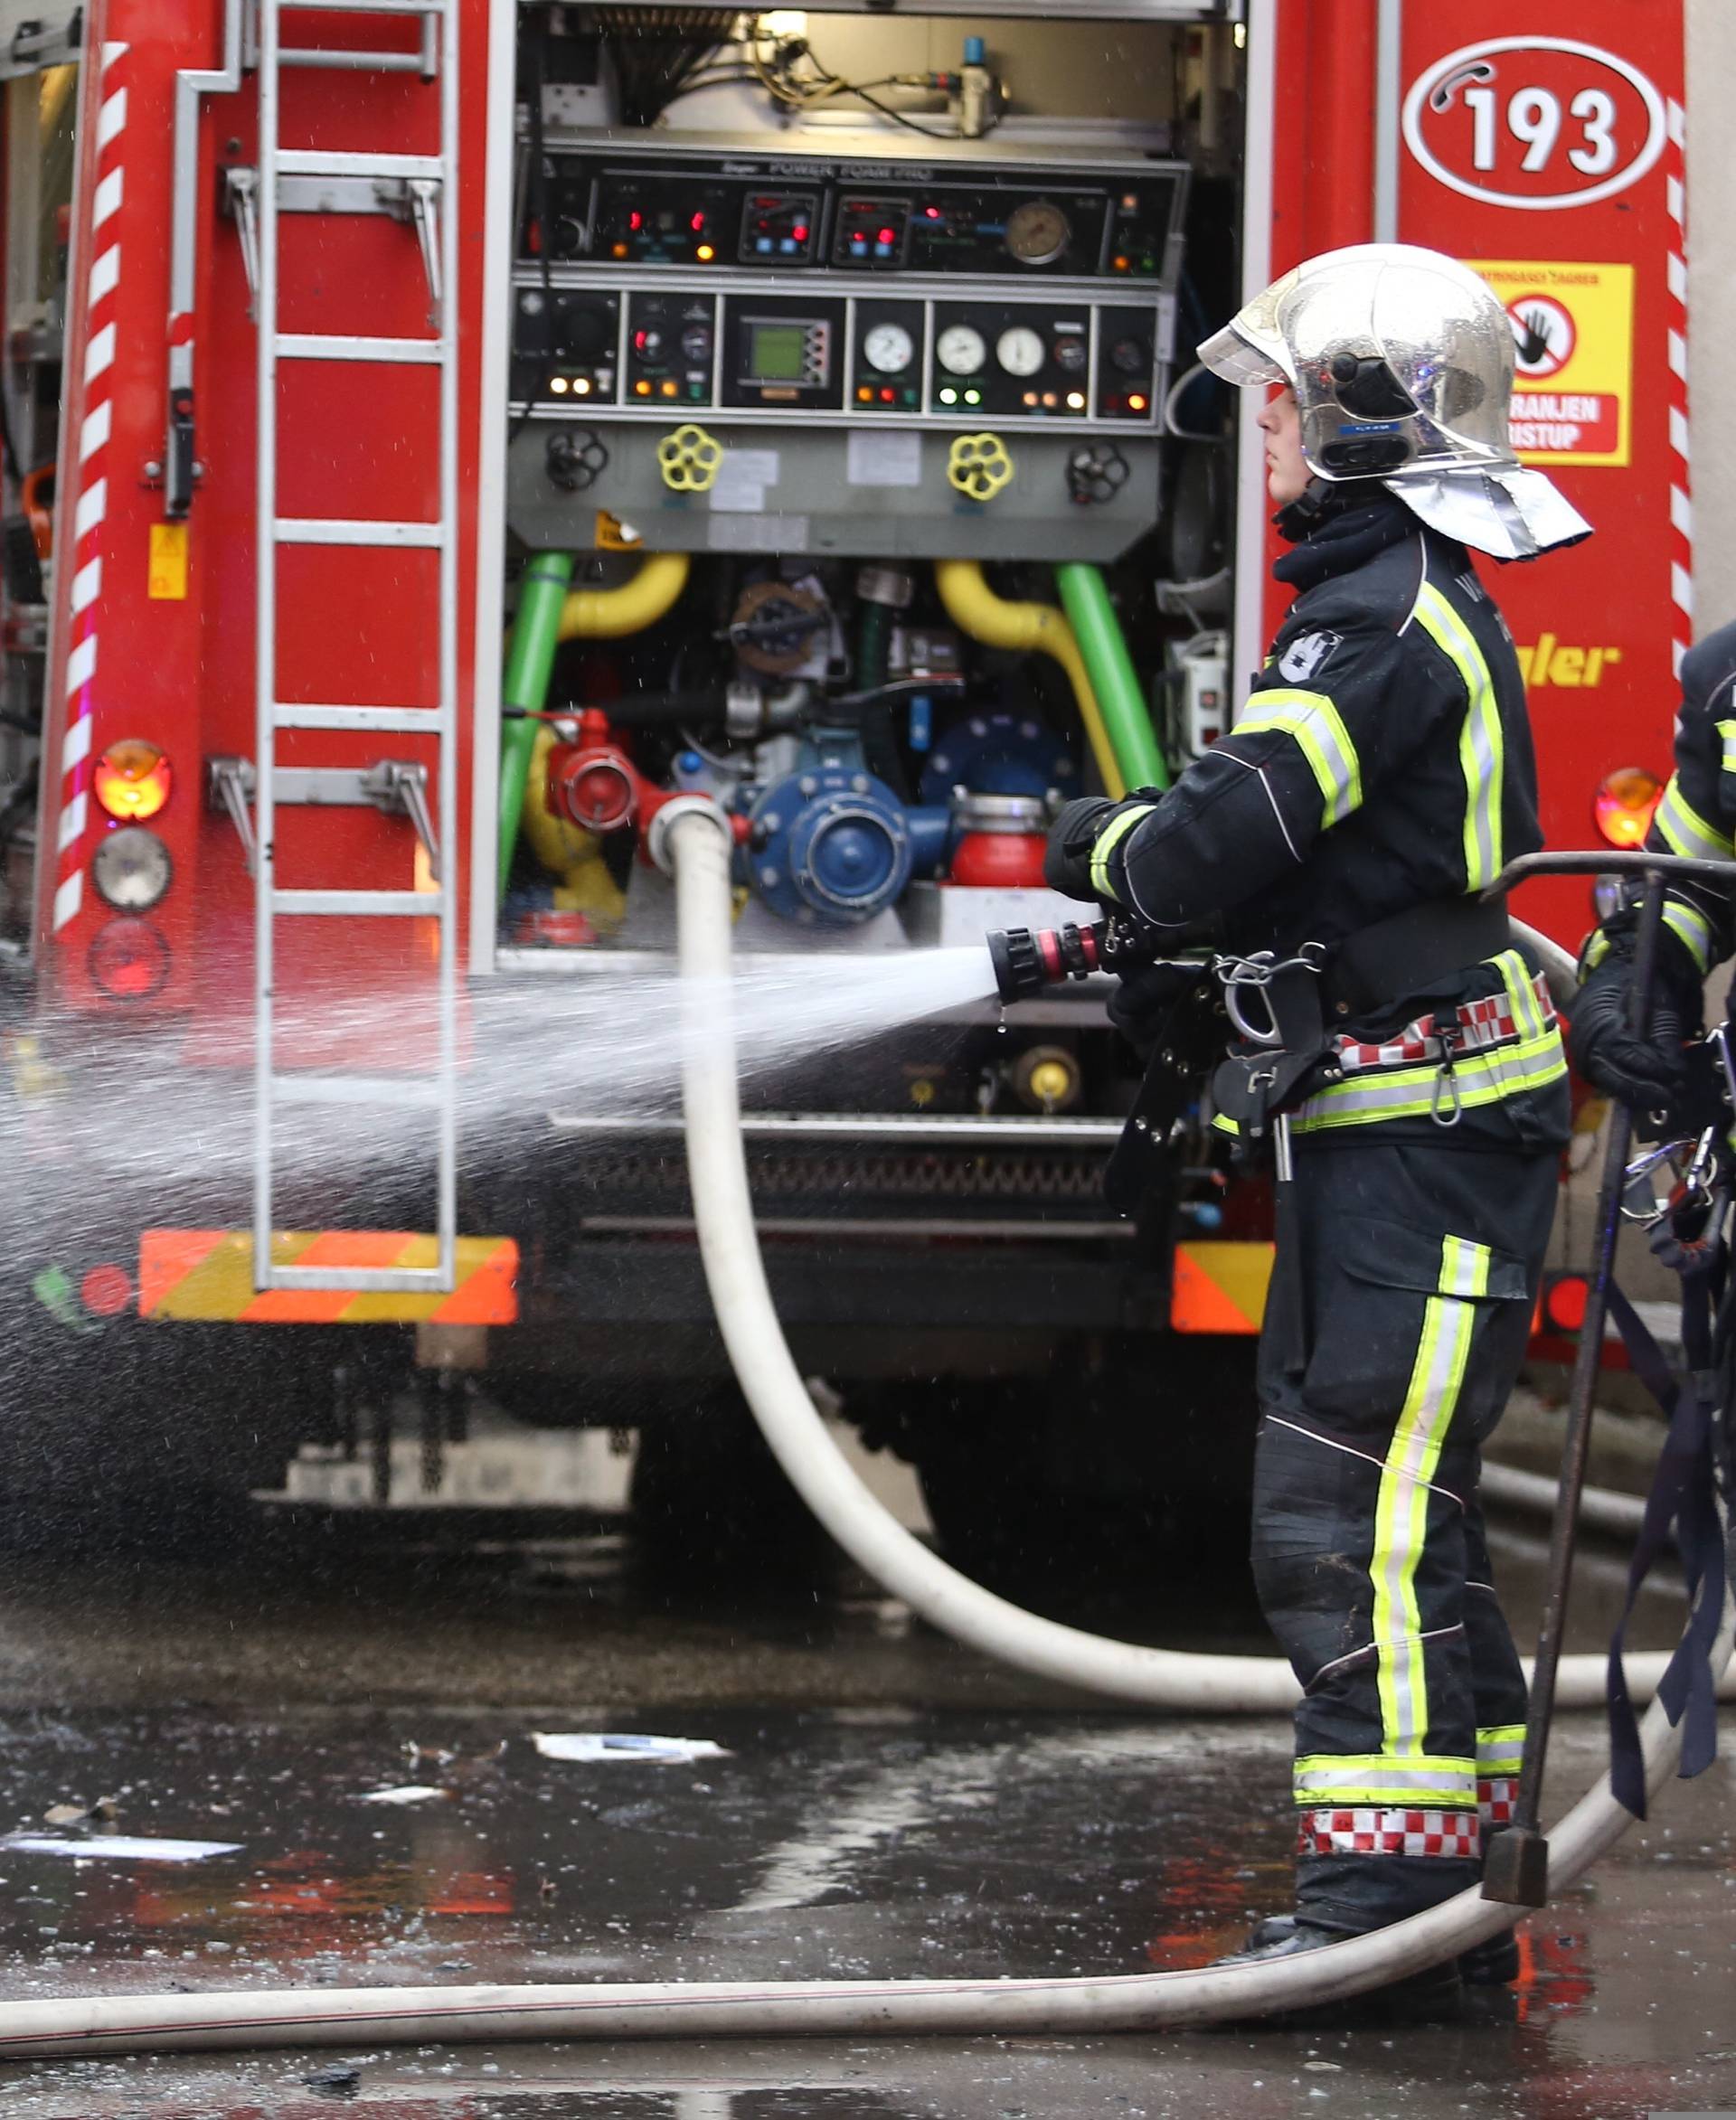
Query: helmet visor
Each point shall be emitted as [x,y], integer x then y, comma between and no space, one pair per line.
[1239,361]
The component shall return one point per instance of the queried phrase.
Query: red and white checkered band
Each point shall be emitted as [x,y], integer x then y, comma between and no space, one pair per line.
[1681,503]
[1370,1830]
[1495,1798]
[102,247]
[1481,1025]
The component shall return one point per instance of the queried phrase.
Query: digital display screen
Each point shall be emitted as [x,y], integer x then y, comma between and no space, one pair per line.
[778,352]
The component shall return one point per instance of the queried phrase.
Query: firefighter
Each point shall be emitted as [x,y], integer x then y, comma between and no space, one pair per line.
[1379,778]
[1696,816]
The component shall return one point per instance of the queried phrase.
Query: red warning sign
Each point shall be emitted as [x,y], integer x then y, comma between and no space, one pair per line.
[1544,337]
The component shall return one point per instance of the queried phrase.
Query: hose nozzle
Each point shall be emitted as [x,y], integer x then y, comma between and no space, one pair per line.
[1027,959]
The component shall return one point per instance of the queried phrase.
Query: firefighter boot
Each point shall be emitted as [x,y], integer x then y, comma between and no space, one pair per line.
[1494,1964]
[1417,1997]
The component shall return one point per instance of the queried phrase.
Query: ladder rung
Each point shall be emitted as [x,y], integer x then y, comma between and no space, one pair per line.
[296,345]
[298,529]
[426,905]
[415,1090]
[310,162]
[380,720]
[368,1280]
[369,6]
[352,61]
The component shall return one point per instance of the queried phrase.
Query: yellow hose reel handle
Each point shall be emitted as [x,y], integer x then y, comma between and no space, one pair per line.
[689,459]
[978,466]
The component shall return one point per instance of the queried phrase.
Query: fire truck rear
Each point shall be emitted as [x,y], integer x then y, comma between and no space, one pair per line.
[480,425]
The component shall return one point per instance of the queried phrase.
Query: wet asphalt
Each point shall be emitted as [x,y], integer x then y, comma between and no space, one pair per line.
[881,1803]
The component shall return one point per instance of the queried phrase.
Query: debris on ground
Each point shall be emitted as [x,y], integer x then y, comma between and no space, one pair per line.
[342,2076]
[118,1847]
[589,1746]
[77,1812]
[410,1792]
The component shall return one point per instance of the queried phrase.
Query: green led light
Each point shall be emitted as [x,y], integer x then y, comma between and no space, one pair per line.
[973,396]
[949,396]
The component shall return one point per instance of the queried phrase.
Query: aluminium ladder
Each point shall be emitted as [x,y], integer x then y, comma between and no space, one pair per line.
[429,189]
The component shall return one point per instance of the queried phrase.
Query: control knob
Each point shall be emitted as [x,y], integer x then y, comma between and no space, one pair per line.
[1131,356]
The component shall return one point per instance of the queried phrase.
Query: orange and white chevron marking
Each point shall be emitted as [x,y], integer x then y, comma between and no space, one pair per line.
[206,1276]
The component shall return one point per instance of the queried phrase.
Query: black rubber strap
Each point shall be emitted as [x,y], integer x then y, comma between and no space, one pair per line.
[1415,950]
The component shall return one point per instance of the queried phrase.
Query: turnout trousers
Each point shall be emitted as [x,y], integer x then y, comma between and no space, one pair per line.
[1399,1312]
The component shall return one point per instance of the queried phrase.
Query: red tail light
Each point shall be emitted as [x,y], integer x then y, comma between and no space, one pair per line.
[1625,806]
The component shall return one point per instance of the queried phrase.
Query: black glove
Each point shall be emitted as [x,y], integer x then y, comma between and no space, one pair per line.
[1067,860]
[1648,1073]
[1144,1001]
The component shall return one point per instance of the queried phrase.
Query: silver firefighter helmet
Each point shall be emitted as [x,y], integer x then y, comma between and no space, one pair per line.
[1401,361]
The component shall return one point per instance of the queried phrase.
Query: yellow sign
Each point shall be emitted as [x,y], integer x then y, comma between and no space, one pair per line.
[1573,342]
[168,581]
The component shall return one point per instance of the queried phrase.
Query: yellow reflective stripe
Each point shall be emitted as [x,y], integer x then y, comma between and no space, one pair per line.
[1528,1016]
[1500,1749]
[1481,754]
[1464,1267]
[1685,830]
[1406,1093]
[1315,723]
[1596,949]
[1727,731]
[1114,833]
[1428,1780]
[1691,927]
[1401,1518]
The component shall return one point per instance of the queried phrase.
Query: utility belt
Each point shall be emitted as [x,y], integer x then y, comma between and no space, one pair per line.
[1293,1052]
[1281,1009]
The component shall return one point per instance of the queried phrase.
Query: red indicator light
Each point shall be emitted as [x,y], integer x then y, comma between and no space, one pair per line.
[697,223]
[933,213]
[106,1290]
[888,397]
[800,231]
[888,235]
[636,221]
[1564,1305]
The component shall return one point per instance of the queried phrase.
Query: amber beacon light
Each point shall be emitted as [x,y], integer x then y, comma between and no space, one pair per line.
[132,780]
[1625,801]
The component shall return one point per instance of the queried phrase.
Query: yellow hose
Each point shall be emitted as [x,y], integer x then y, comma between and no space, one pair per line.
[607,614]
[974,608]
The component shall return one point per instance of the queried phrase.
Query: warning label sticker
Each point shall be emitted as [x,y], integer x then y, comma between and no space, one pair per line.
[1573,358]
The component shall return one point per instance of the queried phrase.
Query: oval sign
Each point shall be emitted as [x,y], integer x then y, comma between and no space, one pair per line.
[1534,122]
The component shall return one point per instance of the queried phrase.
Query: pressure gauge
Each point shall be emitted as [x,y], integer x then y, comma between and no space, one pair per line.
[960,350]
[889,348]
[1019,350]
[132,868]
[1037,232]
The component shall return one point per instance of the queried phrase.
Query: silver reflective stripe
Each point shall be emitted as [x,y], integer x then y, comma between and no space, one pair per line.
[1410,1092]
[1691,927]
[1317,728]
[1685,830]
[1464,1267]
[1445,1777]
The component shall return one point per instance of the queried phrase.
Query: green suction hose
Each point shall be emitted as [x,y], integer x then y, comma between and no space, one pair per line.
[1114,679]
[530,660]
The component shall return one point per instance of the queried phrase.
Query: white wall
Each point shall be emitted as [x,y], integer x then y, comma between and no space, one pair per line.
[1712,298]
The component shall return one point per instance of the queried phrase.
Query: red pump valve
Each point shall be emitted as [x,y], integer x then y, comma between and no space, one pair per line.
[592,780]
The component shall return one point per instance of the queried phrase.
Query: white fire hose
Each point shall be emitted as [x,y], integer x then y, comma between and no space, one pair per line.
[698,849]
[690,839]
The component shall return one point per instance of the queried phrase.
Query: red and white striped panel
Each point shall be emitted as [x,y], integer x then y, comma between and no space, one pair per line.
[1376,1830]
[85,597]
[1680,501]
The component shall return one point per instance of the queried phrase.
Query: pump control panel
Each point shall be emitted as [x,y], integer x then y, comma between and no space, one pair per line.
[783,300]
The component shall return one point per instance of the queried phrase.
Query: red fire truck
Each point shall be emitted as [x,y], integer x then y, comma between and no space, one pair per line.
[480,421]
